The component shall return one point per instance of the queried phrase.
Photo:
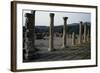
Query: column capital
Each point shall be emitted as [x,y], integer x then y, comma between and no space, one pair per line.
[65,18]
[28,15]
[52,14]
[33,11]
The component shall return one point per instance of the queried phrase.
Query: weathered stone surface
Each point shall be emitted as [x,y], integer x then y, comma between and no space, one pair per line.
[51,46]
[73,38]
[85,32]
[64,31]
[80,32]
[29,34]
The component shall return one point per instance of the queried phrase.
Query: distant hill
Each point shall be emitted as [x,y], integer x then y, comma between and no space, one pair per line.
[74,27]
[41,29]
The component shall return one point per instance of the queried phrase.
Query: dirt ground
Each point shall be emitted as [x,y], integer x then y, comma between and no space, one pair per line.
[43,44]
[77,52]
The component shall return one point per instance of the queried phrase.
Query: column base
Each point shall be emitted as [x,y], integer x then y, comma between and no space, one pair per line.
[49,49]
[64,47]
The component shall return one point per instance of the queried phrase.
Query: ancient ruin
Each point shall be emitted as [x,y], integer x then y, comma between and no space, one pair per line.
[29,35]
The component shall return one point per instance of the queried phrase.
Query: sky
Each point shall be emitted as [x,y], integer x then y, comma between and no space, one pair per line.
[42,18]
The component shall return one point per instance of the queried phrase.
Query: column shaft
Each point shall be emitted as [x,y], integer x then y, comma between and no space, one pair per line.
[64,31]
[73,38]
[80,33]
[88,35]
[51,42]
[84,33]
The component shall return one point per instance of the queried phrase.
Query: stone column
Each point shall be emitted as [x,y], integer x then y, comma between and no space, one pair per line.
[73,38]
[85,33]
[64,31]
[80,32]
[51,42]
[88,35]
[32,29]
[29,34]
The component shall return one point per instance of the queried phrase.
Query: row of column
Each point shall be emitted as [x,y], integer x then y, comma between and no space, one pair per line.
[83,38]
[65,33]
[30,32]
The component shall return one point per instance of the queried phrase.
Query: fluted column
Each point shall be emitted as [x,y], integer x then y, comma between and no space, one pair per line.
[64,31]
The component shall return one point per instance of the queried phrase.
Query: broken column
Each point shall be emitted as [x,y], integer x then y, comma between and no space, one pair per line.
[29,34]
[33,27]
[51,43]
[73,38]
[80,32]
[64,31]
[85,33]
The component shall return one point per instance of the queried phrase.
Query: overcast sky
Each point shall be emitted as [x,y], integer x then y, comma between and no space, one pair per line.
[43,17]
